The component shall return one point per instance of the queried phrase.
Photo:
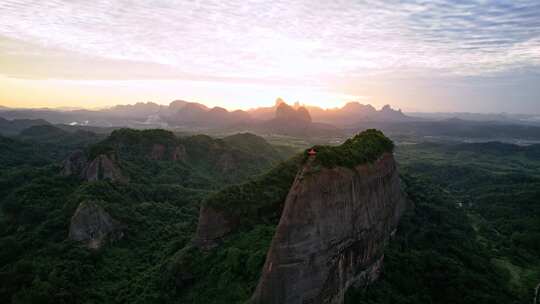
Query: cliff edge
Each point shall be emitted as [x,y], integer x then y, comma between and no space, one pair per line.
[334,209]
[332,232]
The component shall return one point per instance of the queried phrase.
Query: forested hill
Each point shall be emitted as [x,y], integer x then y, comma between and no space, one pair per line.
[474,234]
[156,210]
[241,221]
[197,160]
[472,237]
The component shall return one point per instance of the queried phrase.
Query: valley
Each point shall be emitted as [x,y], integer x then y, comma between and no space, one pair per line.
[472,220]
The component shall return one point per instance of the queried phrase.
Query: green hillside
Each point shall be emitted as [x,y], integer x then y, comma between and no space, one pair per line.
[158,156]
[364,147]
[38,264]
[472,236]
[230,273]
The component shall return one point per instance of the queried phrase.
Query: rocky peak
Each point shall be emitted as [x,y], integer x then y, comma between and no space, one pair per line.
[387,108]
[339,212]
[165,152]
[93,226]
[158,152]
[212,227]
[179,153]
[74,164]
[332,232]
[359,109]
[286,113]
[102,167]
[278,102]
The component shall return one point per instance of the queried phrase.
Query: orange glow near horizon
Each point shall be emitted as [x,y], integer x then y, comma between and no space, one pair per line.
[432,56]
[92,94]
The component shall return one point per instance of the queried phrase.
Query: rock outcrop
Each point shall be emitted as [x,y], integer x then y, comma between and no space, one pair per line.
[74,164]
[158,152]
[332,232]
[163,152]
[334,209]
[179,154]
[212,227]
[102,167]
[288,114]
[93,226]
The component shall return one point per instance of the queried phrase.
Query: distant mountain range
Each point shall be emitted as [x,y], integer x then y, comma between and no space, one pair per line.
[281,118]
[531,119]
[14,127]
[293,120]
[351,113]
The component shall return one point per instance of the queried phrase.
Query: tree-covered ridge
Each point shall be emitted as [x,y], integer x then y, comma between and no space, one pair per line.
[17,153]
[472,238]
[475,230]
[252,144]
[261,198]
[436,257]
[365,147]
[194,161]
[269,190]
[39,264]
[229,273]
[18,150]
[49,134]
[131,143]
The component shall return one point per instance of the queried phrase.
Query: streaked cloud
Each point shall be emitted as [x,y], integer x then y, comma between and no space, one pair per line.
[289,40]
[440,54]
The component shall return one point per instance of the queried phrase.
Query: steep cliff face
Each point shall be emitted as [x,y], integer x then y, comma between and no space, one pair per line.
[330,212]
[194,161]
[256,202]
[212,227]
[171,153]
[102,167]
[332,232]
[74,164]
[93,226]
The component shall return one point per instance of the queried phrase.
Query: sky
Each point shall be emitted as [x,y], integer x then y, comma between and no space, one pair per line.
[441,55]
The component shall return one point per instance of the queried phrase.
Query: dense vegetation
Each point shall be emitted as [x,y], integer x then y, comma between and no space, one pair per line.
[55,135]
[472,237]
[260,199]
[38,264]
[229,273]
[154,155]
[42,144]
[17,153]
[254,145]
[14,127]
[435,257]
[365,147]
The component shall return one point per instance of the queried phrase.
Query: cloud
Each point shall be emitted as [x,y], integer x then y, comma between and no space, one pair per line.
[305,42]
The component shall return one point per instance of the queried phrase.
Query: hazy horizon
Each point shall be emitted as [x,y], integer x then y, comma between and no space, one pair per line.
[441,56]
[74,108]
